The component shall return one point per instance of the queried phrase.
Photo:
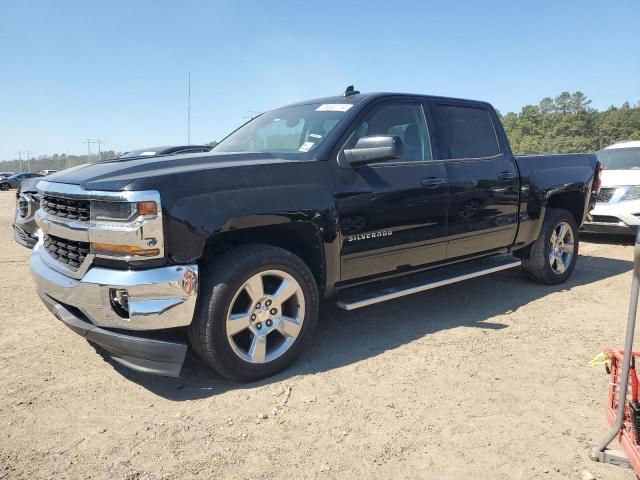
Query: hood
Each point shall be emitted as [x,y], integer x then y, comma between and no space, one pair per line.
[116,174]
[30,184]
[614,178]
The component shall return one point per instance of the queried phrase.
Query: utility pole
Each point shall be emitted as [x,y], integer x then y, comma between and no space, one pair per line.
[189,111]
[252,114]
[28,154]
[89,141]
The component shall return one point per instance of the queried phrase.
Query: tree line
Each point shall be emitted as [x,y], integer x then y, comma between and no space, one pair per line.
[53,162]
[564,124]
[567,124]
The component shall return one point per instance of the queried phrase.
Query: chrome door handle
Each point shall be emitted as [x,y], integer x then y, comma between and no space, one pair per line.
[506,175]
[431,182]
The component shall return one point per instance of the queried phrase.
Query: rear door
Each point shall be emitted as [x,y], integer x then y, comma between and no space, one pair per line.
[483,179]
[392,214]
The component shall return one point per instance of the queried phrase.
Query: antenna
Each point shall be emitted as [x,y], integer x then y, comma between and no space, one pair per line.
[350,91]
[189,111]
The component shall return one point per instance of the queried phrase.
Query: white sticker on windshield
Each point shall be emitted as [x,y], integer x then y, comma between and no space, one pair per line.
[334,107]
[306,146]
[315,135]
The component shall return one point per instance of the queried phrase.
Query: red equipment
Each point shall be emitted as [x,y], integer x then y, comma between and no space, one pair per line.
[629,434]
[623,410]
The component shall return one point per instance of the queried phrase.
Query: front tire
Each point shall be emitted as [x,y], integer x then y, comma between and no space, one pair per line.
[553,256]
[257,309]
[4,187]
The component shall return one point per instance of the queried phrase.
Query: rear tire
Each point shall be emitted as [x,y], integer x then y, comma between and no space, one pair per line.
[268,297]
[4,187]
[553,256]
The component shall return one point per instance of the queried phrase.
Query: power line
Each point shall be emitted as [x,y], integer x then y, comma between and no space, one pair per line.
[90,141]
[252,114]
[28,154]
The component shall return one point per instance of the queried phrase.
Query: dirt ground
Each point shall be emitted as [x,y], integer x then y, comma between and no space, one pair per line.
[484,379]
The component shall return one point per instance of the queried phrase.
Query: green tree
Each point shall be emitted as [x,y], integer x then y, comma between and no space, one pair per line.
[568,124]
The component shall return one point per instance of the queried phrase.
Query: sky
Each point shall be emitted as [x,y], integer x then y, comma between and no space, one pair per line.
[117,70]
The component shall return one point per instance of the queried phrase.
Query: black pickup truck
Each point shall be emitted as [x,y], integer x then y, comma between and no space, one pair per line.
[362,197]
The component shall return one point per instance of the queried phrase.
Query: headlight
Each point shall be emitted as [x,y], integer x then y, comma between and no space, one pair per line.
[631,193]
[122,229]
[122,211]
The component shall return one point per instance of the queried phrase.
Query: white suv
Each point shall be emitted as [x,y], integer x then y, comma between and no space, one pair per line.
[618,203]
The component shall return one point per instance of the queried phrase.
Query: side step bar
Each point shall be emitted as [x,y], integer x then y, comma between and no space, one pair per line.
[427,281]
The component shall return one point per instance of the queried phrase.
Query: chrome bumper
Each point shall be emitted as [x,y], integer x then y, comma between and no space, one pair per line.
[159,298]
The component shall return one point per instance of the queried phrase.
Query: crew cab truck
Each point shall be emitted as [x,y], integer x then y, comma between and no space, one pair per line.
[362,197]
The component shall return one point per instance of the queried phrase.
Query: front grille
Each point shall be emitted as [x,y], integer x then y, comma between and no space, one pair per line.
[605,219]
[66,208]
[23,207]
[66,251]
[605,194]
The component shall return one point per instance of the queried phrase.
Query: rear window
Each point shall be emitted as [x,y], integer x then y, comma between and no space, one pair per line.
[469,132]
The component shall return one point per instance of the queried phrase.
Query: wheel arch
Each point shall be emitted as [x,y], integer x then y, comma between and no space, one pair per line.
[572,201]
[303,239]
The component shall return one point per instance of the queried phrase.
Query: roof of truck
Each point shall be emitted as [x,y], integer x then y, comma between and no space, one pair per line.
[359,97]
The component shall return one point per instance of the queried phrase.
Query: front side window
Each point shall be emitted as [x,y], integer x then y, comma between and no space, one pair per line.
[404,120]
[469,132]
[293,131]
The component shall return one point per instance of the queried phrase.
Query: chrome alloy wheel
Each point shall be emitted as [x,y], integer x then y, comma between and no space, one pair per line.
[561,248]
[265,316]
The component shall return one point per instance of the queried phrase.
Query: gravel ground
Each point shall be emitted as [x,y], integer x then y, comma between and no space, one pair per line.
[484,379]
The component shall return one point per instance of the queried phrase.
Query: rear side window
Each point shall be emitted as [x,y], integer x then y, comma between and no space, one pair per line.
[469,132]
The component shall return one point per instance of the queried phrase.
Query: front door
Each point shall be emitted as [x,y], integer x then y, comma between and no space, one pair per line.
[392,214]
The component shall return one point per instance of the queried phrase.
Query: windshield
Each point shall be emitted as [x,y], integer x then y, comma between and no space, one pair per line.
[620,158]
[293,130]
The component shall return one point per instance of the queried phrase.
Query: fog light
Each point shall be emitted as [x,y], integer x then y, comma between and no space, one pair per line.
[120,301]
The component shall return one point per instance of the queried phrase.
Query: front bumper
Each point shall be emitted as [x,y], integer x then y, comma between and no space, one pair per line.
[614,218]
[159,357]
[608,228]
[159,298]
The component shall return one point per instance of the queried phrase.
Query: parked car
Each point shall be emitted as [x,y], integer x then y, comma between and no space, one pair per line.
[47,172]
[6,174]
[617,210]
[14,180]
[172,150]
[27,203]
[361,197]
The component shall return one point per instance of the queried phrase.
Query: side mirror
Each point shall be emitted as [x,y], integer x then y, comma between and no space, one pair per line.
[374,149]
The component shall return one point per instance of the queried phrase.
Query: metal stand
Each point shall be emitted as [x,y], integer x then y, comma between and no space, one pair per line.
[600,453]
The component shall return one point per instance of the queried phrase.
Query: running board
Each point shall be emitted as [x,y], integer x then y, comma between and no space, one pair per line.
[426,281]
